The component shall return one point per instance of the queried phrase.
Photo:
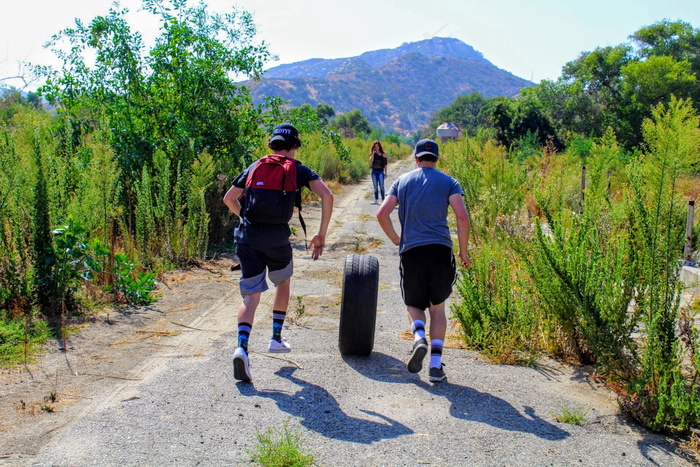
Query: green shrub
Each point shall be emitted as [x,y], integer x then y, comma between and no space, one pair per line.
[493,310]
[135,288]
[19,339]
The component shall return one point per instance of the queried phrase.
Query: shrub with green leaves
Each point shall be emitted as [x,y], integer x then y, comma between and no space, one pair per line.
[494,311]
[70,261]
[660,396]
[135,287]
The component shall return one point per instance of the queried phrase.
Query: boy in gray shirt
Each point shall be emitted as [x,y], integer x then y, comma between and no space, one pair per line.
[427,266]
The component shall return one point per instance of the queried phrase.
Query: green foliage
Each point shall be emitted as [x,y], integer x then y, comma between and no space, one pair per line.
[494,311]
[179,97]
[575,416]
[493,186]
[617,86]
[135,288]
[467,112]
[68,262]
[514,120]
[281,448]
[352,124]
[42,242]
[19,339]
[598,273]
[661,398]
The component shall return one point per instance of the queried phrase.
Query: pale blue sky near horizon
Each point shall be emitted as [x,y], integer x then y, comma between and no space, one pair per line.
[532,39]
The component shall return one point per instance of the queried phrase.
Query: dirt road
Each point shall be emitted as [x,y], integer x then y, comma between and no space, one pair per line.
[154,386]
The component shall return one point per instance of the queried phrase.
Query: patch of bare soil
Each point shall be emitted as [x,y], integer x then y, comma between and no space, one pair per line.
[38,398]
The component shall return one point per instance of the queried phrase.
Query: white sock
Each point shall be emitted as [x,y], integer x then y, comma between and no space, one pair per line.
[436,353]
[418,330]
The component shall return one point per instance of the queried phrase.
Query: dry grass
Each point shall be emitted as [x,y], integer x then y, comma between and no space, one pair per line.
[691,448]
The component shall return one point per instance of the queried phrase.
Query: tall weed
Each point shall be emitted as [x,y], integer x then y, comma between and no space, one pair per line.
[659,396]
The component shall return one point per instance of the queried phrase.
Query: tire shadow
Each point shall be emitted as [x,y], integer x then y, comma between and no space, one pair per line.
[318,411]
[465,403]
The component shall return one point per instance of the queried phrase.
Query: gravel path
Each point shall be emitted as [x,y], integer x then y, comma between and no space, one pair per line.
[186,408]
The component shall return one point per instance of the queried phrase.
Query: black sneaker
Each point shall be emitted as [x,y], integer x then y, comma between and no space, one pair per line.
[437,374]
[420,350]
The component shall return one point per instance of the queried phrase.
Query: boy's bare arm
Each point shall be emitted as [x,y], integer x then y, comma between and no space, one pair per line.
[319,240]
[384,219]
[231,200]
[463,227]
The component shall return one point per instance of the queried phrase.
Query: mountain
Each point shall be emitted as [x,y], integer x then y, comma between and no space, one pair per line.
[396,89]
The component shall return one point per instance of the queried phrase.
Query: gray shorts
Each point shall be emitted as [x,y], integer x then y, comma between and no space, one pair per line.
[257,262]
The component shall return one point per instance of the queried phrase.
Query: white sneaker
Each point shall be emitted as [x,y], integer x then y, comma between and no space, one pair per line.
[279,347]
[375,202]
[241,366]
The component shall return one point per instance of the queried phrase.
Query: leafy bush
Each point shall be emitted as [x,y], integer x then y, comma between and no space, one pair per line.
[494,312]
[599,277]
[135,288]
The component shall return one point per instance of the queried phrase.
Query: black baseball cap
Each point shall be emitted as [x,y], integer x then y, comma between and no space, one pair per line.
[285,132]
[425,147]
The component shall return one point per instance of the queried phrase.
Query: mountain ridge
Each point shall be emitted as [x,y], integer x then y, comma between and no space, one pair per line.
[397,89]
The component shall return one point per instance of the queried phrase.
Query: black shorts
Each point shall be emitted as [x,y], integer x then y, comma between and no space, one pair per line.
[255,261]
[427,275]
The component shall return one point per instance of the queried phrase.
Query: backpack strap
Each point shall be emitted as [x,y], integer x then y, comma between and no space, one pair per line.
[297,203]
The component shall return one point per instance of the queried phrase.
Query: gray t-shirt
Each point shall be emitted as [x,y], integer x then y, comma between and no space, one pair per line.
[423,196]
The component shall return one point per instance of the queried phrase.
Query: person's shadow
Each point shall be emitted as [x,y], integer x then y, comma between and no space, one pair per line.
[465,403]
[320,412]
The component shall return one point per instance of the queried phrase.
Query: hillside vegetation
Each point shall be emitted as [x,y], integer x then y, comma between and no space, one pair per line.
[398,90]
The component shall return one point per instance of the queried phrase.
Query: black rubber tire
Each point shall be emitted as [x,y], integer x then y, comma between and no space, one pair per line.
[358,308]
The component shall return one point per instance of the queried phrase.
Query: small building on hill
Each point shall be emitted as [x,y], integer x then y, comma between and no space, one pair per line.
[448,131]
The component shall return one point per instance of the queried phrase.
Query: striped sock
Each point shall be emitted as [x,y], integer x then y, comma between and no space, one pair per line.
[243,335]
[418,329]
[436,353]
[277,323]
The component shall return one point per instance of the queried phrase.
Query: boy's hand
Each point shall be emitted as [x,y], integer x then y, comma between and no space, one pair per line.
[317,243]
[466,261]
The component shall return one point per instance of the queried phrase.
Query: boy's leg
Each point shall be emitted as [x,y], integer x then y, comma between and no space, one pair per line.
[246,312]
[420,344]
[438,329]
[414,293]
[252,284]
[246,316]
[281,270]
[279,313]
[438,321]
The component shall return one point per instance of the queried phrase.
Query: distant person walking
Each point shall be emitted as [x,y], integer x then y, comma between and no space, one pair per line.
[378,163]
[262,237]
[427,263]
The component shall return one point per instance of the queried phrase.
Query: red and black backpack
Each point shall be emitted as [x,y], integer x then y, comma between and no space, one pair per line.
[271,191]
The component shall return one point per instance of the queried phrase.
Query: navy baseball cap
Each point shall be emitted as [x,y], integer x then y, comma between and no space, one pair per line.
[285,132]
[425,147]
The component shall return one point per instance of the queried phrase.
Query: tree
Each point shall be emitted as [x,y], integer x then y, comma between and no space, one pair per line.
[352,124]
[325,112]
[179,97]
[676,39]
[515,119]
[466,112]
[649,83]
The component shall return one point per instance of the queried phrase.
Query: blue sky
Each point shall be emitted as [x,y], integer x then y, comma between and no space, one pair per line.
[532,39]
